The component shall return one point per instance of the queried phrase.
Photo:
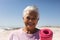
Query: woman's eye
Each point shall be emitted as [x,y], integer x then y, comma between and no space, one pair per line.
[28,18]
[33,18]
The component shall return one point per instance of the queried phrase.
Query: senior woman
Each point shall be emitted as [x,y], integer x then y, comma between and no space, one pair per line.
[29,31]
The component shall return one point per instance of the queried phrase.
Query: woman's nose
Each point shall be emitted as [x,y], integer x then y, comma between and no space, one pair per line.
[30,20]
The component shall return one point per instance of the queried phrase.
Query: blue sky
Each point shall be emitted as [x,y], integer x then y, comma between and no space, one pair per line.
[11,12]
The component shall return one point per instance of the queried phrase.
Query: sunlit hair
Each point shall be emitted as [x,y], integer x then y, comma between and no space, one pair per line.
[30,8]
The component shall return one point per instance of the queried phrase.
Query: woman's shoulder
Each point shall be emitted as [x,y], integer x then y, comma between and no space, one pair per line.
[15,32]
[37,29]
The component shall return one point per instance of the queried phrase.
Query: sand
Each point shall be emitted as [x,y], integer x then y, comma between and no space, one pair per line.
[4,34]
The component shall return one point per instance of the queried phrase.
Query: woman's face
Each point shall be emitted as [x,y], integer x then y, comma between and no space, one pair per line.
[31,19]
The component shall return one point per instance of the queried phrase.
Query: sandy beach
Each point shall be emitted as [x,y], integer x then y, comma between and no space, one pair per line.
[4,34]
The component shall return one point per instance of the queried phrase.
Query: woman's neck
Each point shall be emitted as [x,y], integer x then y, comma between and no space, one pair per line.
[30,31]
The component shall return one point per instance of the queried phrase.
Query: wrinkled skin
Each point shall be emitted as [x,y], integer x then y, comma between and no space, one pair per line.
[30,20]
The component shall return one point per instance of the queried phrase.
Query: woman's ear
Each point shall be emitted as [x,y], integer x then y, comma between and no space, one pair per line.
[23,17]
[38,19]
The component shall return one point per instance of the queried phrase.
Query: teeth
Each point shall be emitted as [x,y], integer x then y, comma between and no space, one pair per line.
[30,23]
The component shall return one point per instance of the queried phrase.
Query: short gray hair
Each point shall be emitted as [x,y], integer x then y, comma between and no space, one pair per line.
[30,8]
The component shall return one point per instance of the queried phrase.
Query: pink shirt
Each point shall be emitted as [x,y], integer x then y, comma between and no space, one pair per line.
[21,35]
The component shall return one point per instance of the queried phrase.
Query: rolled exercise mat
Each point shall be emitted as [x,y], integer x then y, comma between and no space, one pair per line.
[46,34]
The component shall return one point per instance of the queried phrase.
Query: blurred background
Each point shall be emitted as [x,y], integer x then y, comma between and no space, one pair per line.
[11,12]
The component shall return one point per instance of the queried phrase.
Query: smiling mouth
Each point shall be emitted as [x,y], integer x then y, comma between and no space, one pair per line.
[31,24]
